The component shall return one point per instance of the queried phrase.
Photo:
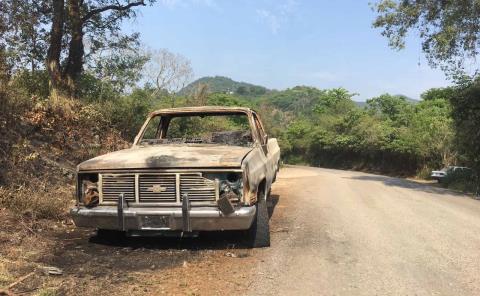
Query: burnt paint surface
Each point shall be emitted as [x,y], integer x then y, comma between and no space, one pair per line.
[169,156]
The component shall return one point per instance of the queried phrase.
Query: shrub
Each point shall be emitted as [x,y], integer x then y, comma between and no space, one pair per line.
[461,179]
[42,204]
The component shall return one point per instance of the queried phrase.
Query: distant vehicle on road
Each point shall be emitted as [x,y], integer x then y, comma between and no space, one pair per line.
[449,171]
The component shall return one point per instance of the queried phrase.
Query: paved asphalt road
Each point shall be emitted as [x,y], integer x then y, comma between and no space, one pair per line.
[350,233]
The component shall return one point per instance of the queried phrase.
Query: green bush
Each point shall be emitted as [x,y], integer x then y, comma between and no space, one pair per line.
[465,180]
[31,83]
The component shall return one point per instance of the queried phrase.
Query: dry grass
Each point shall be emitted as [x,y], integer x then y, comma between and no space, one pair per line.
[5,276]
[37,204]
[41,142]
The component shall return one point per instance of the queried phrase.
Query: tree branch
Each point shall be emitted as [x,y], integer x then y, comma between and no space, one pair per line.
[95,11]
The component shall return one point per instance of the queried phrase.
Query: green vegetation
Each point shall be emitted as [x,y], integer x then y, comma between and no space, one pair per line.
[389,134]
[220,84]
[449,29]
[63,38]
[450,32]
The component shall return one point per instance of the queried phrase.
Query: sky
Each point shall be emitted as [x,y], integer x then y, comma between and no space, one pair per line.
[280,44]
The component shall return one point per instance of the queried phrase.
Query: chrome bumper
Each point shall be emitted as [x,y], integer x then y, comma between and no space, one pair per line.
[160,219]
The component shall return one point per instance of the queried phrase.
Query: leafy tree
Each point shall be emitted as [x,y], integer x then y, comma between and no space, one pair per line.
[450,30]
[31,83]
[257,90]
[299,100]
[83,18]
[120,65]
[128,113]
[55,31]
[432,131]
[200,95]
[221,99]
[23,35]
[446,93]
[169,72]
[242,90]
[337,100]
[395,108]
[466,115]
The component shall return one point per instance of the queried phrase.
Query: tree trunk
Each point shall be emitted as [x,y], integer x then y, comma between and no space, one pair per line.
[74,65]
[65,82]
[55,48]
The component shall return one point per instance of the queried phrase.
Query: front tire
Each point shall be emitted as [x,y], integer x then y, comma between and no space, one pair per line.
[110,235]
[259,233]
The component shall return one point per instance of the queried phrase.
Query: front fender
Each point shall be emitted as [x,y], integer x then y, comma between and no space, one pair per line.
[254,170]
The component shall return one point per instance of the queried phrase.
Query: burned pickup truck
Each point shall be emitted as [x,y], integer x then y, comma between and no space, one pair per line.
[189,169]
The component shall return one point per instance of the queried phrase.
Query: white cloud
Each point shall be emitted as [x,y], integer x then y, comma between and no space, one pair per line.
[271,19]
[288,7]
[278,15]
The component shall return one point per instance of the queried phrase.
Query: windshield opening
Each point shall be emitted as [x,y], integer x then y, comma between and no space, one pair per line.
[204,129]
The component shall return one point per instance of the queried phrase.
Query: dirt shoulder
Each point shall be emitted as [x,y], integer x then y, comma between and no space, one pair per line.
[40,145]
[210,264]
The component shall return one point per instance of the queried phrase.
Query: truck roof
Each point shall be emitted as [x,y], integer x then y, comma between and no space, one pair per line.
[220,110]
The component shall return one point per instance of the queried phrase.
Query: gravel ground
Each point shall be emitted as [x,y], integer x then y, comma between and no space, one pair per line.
[351,233]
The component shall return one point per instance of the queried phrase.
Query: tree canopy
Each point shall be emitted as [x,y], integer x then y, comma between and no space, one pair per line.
[62,36]
[450,30]
[450,34]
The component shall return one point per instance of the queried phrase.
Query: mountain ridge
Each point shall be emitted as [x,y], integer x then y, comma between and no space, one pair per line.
[224,84]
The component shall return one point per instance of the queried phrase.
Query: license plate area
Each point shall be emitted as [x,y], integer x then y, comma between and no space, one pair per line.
[155,222]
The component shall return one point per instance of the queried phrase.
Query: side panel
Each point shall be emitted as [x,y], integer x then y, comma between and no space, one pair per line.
[254,169]
[273,155]
[258,167]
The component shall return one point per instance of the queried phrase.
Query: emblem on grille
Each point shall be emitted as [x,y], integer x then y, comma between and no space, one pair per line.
[157,188]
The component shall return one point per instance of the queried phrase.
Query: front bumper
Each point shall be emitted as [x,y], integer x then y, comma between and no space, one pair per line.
[162,219]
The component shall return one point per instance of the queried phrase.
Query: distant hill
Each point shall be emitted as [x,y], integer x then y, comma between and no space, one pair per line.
[361,104]
[408,99]
[225,85]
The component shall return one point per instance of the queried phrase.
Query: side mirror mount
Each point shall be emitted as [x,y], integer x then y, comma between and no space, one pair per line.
[265,139]
[135,141]
[265,144]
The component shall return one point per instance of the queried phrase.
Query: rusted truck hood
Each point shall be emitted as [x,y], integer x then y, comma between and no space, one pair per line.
[168,156]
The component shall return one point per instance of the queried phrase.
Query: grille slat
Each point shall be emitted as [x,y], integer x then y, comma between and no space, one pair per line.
[197,187]
[158,188]
[113,185]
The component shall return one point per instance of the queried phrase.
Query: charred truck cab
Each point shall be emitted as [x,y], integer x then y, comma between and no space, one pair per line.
[188,170]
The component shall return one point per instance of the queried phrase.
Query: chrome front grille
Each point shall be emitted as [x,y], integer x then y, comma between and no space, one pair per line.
[112,185]
[197,187]
[157,187]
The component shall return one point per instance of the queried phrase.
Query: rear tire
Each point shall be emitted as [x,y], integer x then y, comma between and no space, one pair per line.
[259,233]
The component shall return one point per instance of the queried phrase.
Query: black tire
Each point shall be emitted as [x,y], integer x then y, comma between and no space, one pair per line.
[259,233]
[269,198]
[110,235]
